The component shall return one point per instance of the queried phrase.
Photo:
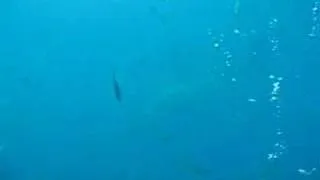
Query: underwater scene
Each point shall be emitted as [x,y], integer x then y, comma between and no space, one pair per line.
[160,90]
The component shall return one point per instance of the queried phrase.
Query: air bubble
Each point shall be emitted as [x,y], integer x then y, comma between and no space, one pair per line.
[236,31]
[252,100]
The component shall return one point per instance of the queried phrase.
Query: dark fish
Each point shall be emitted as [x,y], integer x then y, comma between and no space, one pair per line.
[116,89]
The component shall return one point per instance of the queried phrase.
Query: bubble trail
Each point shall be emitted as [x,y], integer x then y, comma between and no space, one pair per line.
[315,28]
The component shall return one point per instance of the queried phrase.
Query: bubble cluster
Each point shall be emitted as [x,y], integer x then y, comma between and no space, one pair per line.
[273,39]
[306,172]
[217,43]
[280,146]
[228,57]
[275,88]
[315,19]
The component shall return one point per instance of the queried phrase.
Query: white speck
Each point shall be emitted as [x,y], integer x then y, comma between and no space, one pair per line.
[279,133]
[280,78]
[282,146]
[315,9]
[233,79]
[312,35]
[273,98]
[275,90]
[271,76]
[252,100]
[216,45]
[276,84]
[229,56]
[236,31]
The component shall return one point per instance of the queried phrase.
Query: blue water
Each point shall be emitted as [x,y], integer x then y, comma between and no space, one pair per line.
[223,90]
